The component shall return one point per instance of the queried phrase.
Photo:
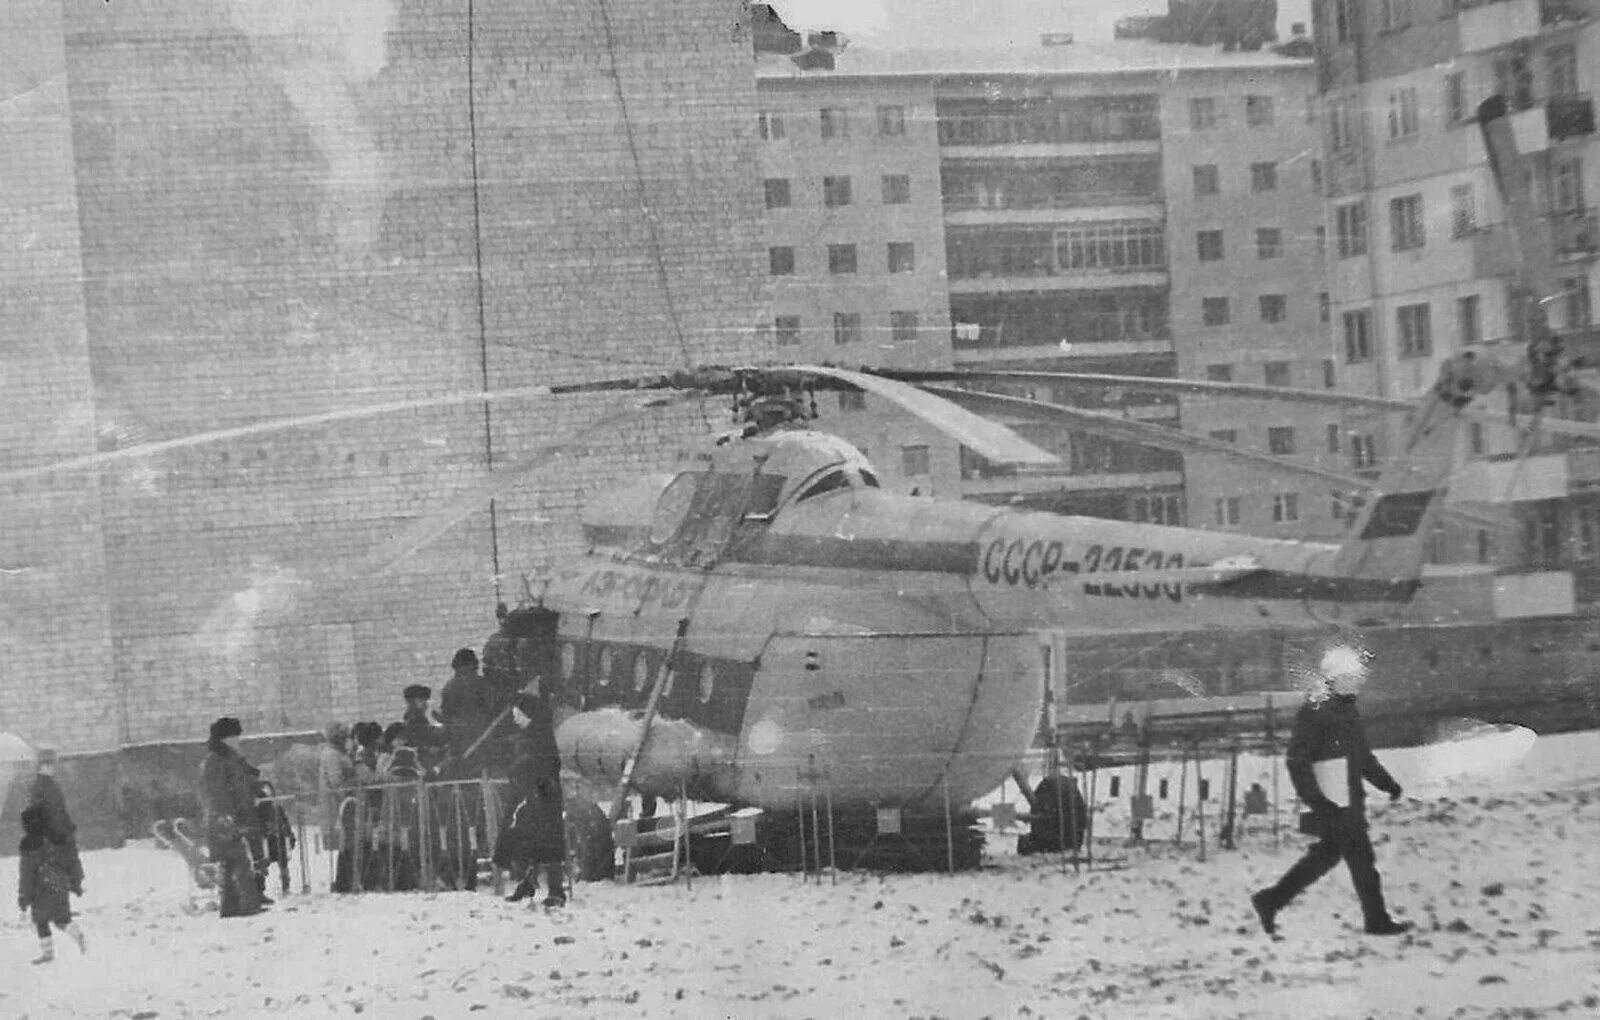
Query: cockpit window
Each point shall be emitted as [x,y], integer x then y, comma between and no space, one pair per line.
[827,483]
[869,479]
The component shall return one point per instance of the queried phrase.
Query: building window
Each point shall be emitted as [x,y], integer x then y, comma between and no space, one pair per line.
[786,330]
[835,191]
[1463,211]
[1485,546]
[1575,299]
[1588,530]
[772,129]
[1357,336]
[1274,307]
[1344,16]
[1202,114]
[1469,320]
[1561,64]
[1156,509]
[1269,243]
[1566,185]
[777,189]
[1228,511]
[1320,241]
[1394,14]
[891,120]
[1416,330]
[1343,124]
[1285,507]
[1280,440]
[1225,435]
[902,257]
[1316,176]
[1263,176]
[1214,311]
[1350,227]
[896,189]
[1324,307]
[903,327]
[1219,373]
[780,261]
[1206,180]
[1113,244]
[1209,243]
[1276,373]
[1402,114]
[1363,451]
[835,122]
[1258,111]
[846,328]
[1333,439]
[914,461]
[852,400]
[1405,223]
[841,258]
[1330,377]
[1476,440]
[1455,98]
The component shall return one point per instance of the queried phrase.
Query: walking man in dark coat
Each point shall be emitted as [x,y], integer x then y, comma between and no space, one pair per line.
[535,835]
[466,705]
[52,803]
[420,729]
[227,793]
[1329,761]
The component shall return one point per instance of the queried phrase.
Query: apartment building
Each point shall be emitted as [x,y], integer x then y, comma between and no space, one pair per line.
[1420,261]
[1053,206]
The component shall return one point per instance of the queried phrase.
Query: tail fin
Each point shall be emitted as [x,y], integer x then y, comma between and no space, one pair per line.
[1390,536]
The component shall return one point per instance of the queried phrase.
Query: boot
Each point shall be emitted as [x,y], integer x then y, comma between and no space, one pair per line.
[47,950]
[77,937]
[557,882]
[525,888]
[1388,926]
[1266,910]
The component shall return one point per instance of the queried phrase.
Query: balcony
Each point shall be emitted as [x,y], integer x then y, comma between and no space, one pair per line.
[1576,235]
[1486,24]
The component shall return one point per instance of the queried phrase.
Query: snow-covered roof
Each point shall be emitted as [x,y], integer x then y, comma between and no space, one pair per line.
[1123,56]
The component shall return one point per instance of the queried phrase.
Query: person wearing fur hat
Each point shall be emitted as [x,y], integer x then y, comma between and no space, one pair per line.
[535,833]
[46,793]
[227,795]
[46,874]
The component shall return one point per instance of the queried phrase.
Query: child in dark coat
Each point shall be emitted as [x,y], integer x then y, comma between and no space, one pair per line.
[47,875]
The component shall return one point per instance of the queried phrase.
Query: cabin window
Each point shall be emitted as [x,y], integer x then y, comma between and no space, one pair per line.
[641,671]
[670,676]
[830,481]
[569,660]
[708,682]
[608,662]
[869,479]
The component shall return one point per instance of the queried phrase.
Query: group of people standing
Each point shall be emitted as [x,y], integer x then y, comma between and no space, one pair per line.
[383,789]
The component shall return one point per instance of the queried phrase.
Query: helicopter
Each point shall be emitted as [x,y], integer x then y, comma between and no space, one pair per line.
[768,621]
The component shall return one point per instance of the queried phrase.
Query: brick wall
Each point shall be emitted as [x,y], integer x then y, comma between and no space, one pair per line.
[271,209]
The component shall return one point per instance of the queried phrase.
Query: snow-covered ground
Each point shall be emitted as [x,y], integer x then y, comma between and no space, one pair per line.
[1496,856]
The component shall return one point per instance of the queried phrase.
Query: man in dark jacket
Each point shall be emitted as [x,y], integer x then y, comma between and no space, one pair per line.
[535,835]
[421,732]
[46,794]
[227,794]
[466,705]
[1329,761]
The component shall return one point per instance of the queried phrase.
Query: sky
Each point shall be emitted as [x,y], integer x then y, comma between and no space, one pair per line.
[1088,20]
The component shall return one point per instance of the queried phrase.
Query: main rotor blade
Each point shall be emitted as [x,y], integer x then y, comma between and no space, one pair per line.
[989,439]
[1176,440]
[95,460]
[1148,384]
[478,496]
[1207,388]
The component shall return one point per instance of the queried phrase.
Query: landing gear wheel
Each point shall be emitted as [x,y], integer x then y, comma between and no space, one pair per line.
[591,853]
